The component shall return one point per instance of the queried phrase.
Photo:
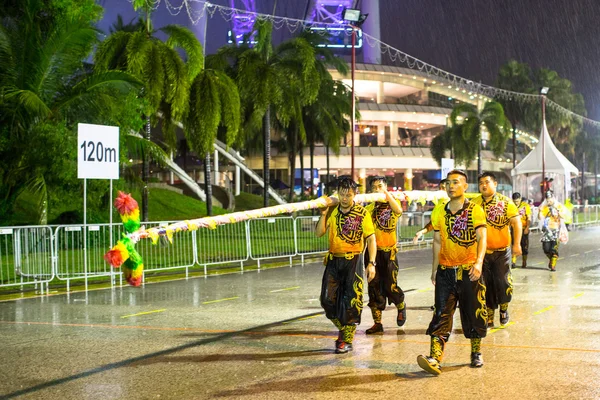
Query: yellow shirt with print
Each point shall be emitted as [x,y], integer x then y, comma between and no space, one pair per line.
[498,212]
[458,233]
[384,221]
[562,210]
[348,231]
[525,213]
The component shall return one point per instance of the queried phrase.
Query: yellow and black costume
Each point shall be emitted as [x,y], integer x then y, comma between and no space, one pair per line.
[497,262]
[525,213]
[342,286]
[384,289]
[457,255]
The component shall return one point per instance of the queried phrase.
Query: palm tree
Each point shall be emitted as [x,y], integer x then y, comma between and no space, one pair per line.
[330,108]
[326,120]
[272,80]
[165,75]
[516,77]
[214,102]
[464,135]
[562,128]
[45,88]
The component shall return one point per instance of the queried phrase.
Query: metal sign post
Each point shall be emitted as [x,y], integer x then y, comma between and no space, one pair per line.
[97,158]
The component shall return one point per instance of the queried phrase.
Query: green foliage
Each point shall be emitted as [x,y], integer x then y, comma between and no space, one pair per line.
[46,89]
[464,135]
[158,65]
[563,129]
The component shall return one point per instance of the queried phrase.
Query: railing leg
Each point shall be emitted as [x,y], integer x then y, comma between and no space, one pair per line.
[258,264]
[242,266]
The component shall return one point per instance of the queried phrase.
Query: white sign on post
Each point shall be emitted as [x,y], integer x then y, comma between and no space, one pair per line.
[97,151]
[447,166]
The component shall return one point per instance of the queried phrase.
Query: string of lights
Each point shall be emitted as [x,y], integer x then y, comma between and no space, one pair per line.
[197,9]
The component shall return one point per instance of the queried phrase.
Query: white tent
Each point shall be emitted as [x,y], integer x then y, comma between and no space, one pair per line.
[527,175]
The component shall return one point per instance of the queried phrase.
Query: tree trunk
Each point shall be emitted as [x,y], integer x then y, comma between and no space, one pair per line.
[145,173]
[312,169]
[207,184]
[184,150]
[479,164]
[514,143]
[596,178]
[292,158]
[301,152]
[327,162]
[266,154]
[583,179]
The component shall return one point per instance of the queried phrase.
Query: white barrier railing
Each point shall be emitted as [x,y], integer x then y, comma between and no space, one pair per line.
[273,238]
[35,255]
[26,256]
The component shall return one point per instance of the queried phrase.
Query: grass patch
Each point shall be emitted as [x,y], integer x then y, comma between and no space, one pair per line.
[246,201]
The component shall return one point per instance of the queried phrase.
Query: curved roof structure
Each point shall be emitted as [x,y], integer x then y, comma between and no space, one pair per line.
[555,161]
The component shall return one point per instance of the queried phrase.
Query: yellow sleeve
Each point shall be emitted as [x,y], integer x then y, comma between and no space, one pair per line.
[435,222]
[478,217]
[512,210]
[400,213]
[367,225]
[528,211]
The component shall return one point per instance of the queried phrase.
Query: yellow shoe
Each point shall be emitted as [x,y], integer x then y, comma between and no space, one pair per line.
[429,364]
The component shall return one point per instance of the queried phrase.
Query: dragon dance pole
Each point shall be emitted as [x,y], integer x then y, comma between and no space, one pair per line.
[124,253]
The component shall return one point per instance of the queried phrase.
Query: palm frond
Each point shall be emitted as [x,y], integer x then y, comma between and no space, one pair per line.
[185,39]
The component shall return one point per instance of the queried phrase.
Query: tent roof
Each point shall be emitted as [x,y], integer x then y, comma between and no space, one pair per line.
[556,162]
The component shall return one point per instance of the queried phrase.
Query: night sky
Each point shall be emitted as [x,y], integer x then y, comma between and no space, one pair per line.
[471,38]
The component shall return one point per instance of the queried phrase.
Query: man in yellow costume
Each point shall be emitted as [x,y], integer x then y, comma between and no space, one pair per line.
[350,226]
[525,213]
[459,242]
[500,213]
[384,287]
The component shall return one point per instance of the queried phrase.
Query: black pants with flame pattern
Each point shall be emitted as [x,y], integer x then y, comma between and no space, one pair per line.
[452,287]
[498,278]
[384,287]
[342,289]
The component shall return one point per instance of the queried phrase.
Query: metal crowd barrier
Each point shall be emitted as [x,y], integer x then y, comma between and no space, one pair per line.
[35,255]
[26,256]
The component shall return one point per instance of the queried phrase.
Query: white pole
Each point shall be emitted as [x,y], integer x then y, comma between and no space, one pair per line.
[110,228]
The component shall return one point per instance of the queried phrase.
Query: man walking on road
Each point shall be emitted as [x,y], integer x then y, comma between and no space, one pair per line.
[350,227]
[459,242]
[384,287]
[500,213]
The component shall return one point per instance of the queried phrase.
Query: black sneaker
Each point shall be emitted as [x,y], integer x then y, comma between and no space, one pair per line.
[504,317]
[401,319]
[375,329]
[429,364]
[476,360]
[343,347]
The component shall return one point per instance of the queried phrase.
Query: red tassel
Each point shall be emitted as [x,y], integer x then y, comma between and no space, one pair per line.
[135,281]
[114,258]
[125,203]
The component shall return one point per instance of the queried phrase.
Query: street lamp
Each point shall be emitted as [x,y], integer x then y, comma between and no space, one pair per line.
[355,19]
[543,91]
